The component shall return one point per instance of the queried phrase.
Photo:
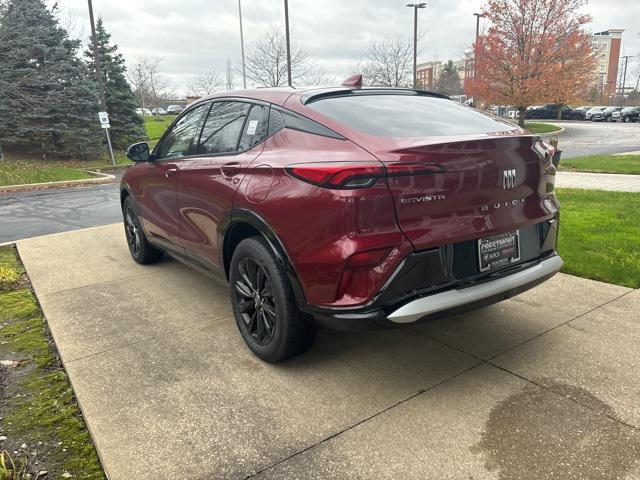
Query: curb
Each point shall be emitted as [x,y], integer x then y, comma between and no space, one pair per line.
[552,134]
[102,179]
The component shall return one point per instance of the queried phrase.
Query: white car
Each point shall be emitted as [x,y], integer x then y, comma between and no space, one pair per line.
[593,110]
[174,109]
[158,111]
[146,111]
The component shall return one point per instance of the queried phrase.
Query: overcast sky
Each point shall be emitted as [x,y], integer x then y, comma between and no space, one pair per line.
[193,36]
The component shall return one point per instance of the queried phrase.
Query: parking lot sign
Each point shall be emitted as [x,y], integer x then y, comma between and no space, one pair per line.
[104,119]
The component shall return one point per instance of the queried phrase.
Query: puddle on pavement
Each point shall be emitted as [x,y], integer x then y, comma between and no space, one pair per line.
[536,434]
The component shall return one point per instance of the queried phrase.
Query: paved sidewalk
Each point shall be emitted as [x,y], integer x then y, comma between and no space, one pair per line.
[541,386]
[598,181]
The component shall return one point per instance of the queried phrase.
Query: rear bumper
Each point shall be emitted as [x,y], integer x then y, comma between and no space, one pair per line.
[445,303]
[455,298]
[446,280]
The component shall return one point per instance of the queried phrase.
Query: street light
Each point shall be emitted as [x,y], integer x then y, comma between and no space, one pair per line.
[415,7]
[244,71]
[624,78]
[475,57]
[286,28]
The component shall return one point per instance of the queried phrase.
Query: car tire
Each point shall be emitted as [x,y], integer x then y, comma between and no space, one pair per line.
[139,247]
[264,305]
[625,119]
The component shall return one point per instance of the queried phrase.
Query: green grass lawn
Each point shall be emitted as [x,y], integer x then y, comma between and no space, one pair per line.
[603,164]
[37,404]
[536,127]
[600,235]
[21,171]
[156,126]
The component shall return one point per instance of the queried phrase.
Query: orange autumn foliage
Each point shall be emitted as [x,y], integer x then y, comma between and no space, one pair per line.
[536,51]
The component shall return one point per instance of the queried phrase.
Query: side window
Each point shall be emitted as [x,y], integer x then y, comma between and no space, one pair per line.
[178,141]
[221,130]
[255,129]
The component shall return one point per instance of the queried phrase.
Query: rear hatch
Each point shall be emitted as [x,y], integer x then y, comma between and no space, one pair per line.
[455,173]
[466,189]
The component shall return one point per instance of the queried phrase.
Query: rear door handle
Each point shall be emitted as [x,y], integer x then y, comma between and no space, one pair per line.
[170,172]
[230,169]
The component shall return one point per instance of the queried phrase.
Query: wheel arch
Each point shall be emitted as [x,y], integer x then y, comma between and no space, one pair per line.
[238,224]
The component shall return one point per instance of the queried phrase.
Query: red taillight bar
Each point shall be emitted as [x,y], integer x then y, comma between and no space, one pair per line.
[351,175]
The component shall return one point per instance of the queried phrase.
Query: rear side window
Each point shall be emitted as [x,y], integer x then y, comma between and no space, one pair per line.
[255,128]
[222,128]
[407,116]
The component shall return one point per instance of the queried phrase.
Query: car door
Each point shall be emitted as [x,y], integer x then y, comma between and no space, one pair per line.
[157,200]
[231,138]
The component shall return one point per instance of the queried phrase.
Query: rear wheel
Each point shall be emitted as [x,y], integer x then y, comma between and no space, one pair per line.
[264,306]
[139,247]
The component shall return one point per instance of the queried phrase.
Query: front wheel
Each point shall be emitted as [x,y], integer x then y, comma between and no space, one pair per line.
[139,247]
[264,305]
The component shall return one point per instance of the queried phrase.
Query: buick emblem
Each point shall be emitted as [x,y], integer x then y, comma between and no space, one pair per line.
[509,179]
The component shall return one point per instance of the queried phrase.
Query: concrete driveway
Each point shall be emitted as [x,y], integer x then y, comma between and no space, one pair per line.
[546,385]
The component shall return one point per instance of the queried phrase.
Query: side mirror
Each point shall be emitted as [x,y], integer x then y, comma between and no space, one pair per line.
[139,152]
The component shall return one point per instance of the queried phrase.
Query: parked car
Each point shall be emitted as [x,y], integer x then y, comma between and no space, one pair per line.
[630,114]
[605,115]
[174,109]
[146,111]
[351,207]
[550,111]
[592,111]
[158,111]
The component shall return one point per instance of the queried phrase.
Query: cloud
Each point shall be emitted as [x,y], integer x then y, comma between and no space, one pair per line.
[194,36]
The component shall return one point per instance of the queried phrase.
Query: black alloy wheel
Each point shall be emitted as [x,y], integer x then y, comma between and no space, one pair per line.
[264,305]
[139,247]
[255,302]
[131,231]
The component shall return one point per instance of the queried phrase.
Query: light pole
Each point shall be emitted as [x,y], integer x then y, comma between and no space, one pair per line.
[99,79]
[244,71]
[624,78]
[286,31]
[415,7]
[475,58]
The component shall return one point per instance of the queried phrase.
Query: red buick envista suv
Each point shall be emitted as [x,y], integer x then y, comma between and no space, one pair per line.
[347,206]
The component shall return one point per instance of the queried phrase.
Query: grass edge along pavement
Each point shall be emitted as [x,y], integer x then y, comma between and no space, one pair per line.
[600,235]
[622,164]
[41,426]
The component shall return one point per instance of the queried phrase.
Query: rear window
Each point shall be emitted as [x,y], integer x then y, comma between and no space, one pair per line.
[407,116]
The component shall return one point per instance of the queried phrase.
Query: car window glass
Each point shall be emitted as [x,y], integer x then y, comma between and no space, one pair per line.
[408,115]
[178,141]
[255,129]
[221,130]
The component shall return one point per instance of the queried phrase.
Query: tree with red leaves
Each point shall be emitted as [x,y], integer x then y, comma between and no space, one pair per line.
[535,51]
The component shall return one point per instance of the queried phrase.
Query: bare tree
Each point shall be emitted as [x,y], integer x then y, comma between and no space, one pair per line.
[149,84]
[138,78]
[229,74]
[388,63]
[266,61]
[204,84]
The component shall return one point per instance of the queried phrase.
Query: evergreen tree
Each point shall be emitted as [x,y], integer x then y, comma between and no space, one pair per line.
[126,125]
[48,102]
[449,80]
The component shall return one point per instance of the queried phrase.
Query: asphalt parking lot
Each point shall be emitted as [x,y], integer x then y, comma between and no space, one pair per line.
[545,385]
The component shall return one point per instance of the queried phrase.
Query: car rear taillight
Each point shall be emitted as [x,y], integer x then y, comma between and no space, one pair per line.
[352,175]
[338,174]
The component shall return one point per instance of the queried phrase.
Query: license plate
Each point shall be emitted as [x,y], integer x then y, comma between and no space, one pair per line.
[498,250]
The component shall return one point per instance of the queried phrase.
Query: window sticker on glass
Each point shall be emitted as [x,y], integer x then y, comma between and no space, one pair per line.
[253,126]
